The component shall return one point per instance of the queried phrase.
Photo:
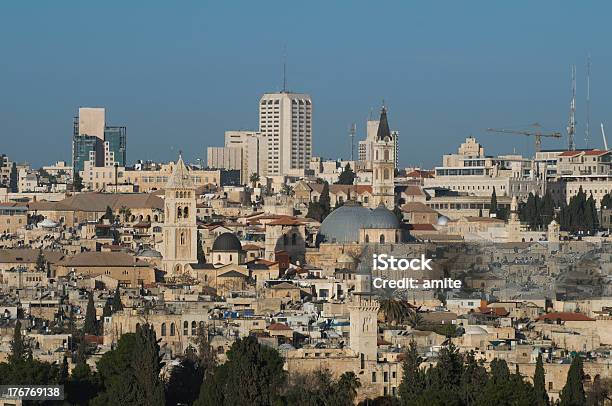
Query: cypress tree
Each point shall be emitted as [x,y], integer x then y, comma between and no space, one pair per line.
[41,264]
[146,365]
[539,383]
[62,375]
[493,205]
[606,201]
[19,348]
[573,392]
[325,201]
[200,251]
[117,305]
[413,382]
[347,177]
[90,326]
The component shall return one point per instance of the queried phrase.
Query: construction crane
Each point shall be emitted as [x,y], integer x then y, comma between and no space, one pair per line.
[538,134]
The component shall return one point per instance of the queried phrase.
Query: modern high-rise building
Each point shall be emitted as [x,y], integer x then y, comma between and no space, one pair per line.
[94,141]
[285,121]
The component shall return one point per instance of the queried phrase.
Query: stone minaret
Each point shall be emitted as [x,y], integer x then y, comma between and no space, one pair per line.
[180,227]
[383,165]
[363,311]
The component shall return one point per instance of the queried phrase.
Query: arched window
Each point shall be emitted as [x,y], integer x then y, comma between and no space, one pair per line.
[148,218]
[293,239]
[182,238]
[163,329]
[177,195]
[193,328]
[377,155]
[230,257]
[179,212]
[186,212]
[156,218]
[382,238]
[367,239]
[386,155]
[185,328]
[386,174]
[202,325]
[172,329]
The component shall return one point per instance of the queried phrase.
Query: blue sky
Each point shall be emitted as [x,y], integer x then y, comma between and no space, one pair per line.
[178,74]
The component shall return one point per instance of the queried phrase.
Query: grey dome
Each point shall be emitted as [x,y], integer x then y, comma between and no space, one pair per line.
[381,217]
[442,221]
[343,224]
[227,242]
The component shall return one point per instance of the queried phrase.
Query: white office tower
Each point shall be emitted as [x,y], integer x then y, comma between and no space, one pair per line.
[285,121]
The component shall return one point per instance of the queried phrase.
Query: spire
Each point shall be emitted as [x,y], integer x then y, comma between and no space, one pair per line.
[383,126]
[180,178]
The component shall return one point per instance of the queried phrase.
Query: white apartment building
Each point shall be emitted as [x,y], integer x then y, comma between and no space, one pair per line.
[471,172]
[285,121]
[254,151]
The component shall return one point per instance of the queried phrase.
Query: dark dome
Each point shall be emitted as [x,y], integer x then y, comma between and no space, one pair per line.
[227,242]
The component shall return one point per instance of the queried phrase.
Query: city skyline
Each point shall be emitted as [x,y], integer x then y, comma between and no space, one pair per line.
[182,90]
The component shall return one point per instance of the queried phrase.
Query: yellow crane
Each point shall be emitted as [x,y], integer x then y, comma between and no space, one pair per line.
[537,134]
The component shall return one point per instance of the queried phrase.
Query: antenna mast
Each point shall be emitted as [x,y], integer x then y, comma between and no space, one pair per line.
[352,132]
[588,102]
[284,69]
[571,125]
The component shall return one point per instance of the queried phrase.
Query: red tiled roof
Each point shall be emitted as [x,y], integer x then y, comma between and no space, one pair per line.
[570,153]
[565,316]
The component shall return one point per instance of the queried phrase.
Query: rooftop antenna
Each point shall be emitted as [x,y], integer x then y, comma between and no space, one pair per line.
[603,134]
[588,102]
[352,131]
[284,69]
[571,125]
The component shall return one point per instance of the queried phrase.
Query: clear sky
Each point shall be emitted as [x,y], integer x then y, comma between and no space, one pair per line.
[178,74]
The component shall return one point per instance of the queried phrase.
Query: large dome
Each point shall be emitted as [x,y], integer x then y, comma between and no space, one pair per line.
[343,224]
[381,217]
[227,242]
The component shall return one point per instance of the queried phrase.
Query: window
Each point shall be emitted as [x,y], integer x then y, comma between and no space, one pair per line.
[163,329]
[382,238]
[193,328]
[373,377]
[172,329]
[185,328]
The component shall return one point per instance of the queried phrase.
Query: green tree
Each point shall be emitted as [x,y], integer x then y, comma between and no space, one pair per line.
[116,374]
[324,200]
[254,178]
[117,305]
[252,375]
[41,263]
[62,375]
[77,182]
[606,201]
[394,311]
[146,366]
[493,204]
[200,251]
[108,214]
[20,350]
[185,380]
[413,380]
[91,324]
[573,393]
[539,383]
[347,177]
[347,386]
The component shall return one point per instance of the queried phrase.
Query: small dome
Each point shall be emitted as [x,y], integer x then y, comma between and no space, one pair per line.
[381,217]
[227,242]
[475,330]
[442,221]
[345,259]
[46,223]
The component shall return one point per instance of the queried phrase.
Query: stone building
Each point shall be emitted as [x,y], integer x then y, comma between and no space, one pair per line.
[180,227]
